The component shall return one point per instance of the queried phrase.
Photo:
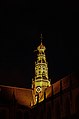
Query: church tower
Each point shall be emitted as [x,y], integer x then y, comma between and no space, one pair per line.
[41,80]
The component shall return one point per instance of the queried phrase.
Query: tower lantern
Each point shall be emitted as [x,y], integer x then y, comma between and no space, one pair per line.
[41,80]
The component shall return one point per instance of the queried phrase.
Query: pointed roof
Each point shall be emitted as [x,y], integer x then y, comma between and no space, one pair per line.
[41,47]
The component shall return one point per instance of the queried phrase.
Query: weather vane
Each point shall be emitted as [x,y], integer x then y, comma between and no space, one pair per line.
[41,37]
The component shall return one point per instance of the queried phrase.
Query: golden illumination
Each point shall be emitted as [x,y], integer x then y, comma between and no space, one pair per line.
[41,80]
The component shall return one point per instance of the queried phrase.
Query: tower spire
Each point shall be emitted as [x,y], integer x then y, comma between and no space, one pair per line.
[41,79]
[41,38]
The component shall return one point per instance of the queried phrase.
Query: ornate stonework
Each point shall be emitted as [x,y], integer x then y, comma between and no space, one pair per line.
[41,80]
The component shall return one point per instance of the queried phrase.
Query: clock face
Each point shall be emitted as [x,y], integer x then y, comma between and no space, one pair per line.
[38,89]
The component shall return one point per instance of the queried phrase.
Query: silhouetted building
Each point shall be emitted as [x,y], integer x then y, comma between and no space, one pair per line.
[61,101]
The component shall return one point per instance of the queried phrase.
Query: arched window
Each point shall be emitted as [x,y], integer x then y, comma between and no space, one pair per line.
[77,105]
[43,60]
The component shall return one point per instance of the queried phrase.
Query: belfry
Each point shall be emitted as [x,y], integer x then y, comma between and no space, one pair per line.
[41,80]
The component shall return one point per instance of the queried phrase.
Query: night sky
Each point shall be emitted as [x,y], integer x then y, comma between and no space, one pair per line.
[21,24]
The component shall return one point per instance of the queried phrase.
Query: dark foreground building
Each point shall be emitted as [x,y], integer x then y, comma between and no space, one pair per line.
[61,101]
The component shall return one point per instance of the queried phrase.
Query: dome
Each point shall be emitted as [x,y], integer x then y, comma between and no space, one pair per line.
[41,48]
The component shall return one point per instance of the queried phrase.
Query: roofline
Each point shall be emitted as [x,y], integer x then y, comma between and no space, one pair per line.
[15,87]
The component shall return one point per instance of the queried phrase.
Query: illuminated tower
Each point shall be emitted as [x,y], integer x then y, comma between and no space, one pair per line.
[41,80]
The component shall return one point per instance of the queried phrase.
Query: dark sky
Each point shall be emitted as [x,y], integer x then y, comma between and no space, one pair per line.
[22,23]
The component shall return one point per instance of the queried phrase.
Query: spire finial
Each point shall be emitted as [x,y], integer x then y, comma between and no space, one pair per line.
[41,37]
